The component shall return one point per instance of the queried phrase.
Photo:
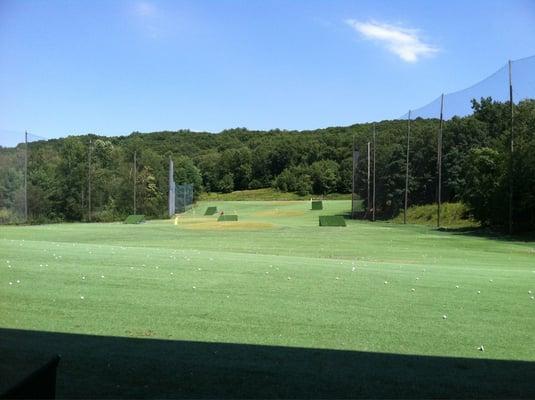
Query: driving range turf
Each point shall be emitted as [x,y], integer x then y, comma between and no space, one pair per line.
[269,306]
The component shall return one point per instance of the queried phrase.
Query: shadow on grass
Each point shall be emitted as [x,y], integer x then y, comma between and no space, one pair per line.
[116,367]
[488,233]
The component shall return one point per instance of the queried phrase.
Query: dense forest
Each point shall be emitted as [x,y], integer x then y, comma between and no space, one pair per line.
[476,167]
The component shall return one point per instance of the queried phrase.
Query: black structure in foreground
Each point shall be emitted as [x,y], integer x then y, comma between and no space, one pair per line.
[117,367]
[39,384]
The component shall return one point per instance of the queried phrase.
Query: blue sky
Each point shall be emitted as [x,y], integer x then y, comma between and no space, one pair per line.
[113,67]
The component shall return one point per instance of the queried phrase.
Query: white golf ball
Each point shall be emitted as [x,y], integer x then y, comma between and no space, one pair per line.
[457,287]
[444,317]
[82,297]
[413,289]
[479,292]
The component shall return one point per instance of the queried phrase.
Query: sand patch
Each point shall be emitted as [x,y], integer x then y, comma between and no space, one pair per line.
[228,225]
[279,213]
[286,202]
[193,220]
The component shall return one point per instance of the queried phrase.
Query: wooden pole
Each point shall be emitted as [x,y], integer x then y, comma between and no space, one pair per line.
[511,139]
[439,161]
[135,180]
[89,183]
[26,176]
[374,146]
[407,169]
[353,180]
[368,181]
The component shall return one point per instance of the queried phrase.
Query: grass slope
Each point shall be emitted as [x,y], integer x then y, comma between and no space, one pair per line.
[452,215]
[266,195]
[151,310]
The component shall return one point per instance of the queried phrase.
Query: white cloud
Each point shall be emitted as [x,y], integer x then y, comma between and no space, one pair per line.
[144,9]
[403,42]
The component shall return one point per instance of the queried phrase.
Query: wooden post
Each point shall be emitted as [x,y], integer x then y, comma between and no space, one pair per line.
[407,168]
[373,201]
[439,161]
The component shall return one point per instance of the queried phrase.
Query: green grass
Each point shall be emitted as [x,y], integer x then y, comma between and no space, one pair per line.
[452,215]
[227,217]
[317,205]
[134,219]
[210,210]
[332,220]
[288,286]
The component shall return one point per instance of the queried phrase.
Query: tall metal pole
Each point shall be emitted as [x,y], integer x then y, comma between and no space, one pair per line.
[373,210]
[89,183]
[353,180]
[511,163]
[368,181]
[135,179]
[407,168]
[439,161]
[26,176]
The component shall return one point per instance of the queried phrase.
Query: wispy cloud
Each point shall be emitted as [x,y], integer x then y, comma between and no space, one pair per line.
[403,42]
[148,17]
[144,9]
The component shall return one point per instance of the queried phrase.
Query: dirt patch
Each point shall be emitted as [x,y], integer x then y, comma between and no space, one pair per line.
[285,202]
[192,220]
[228,225]
[279,213]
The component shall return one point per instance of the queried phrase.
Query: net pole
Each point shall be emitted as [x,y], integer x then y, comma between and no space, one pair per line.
[368,182]
[89,183]
[439,161]
[407,168]
[26,176]
[353,180]
[373,200]
[135,180]
[511,164]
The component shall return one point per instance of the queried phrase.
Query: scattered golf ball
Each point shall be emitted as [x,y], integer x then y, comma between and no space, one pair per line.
[444,317]
[413,289]
[18,281]
[11,283]
[479,292]
[481,348]
[386,282]
[82,297]
[456,286]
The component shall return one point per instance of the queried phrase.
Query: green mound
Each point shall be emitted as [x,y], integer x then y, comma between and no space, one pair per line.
[223,218]
[317,205]
[134,219]
[332,220]
[210,211]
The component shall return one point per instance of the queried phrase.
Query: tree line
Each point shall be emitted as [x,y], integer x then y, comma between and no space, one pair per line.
[64,175]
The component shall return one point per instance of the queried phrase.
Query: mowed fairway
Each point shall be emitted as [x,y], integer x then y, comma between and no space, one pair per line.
[165,309]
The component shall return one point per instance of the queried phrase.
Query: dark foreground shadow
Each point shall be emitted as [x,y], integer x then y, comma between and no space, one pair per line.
[115,367]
